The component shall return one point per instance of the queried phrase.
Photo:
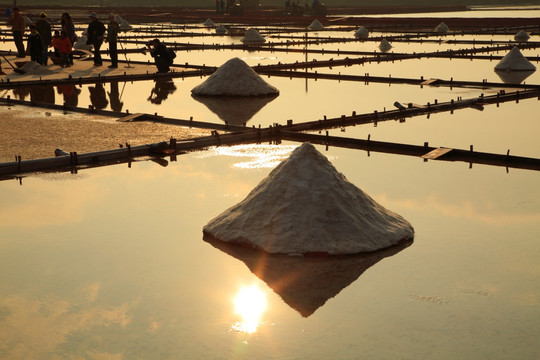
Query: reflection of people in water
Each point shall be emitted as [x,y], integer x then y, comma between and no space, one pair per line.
[114,97]
[162,89]
[97,96]
[44,94]
[70,94]
[21,92]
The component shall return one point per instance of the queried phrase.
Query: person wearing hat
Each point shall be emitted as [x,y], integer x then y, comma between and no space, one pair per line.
[95,30]
[112,37]
[44,29]
[161,55]
[18,24]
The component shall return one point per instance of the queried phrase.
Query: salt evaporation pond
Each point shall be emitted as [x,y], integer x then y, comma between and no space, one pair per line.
[110,262]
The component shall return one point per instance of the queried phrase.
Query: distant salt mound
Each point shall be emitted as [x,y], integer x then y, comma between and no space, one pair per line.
[125,26]
[252,36]
[209,23]
[34,68]
[316,25]
[235,78]
[80,44]
[522,36]
[515,61]
[385,45]
[306,206]
[442,28]
[118,19]
[221,30]
[361,33]
[85,32]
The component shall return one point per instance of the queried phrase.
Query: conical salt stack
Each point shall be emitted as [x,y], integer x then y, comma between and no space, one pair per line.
[209,22]
[118,19]
[361,33]
[442,28]
[385,45]
[235,78]
[125,26]
[316,25]
[80,44]
[522,36]
[515,61]
[253,36]
[305,206]
[221,30]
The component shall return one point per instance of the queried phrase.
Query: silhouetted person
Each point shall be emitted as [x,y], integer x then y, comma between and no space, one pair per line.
[21,92]
[70,94]
[162,89]
[112,37]
[44,29]
[161,55]
[114,97]
[69,28]
[35,45]
[97,96]
[43,94]
[62,46]
[18,24]
[95,30]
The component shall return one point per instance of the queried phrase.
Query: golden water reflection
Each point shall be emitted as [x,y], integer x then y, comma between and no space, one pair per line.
[250,304]
[259,156]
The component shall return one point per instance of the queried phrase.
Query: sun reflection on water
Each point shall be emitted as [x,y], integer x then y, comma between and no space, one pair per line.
[260,155]
[249,303]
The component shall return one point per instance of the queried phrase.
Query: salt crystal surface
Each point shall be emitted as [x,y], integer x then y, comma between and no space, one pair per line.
[306,206]
[235,78]
[361,33]
[385,45]
[33,67]
[253,36]
[515,61]
[81,44]
[522,36]
[442,28]
[316,25]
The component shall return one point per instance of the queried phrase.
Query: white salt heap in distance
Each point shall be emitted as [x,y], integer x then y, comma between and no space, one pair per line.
[316,25]
[306,206]
[125,26]
[235,78]
[361,33]
[522,36]
[253,36]
[442,28]
[515,61]
[385,45]
[221,30]
[209,22]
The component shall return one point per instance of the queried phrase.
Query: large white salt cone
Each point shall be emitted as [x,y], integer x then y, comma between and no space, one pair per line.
[361,33]
[515,61]
[209,23]
[235,78]
[305,206]
[80,44]
[442,28]
[385,45]
[522,36]
[221,30]
[316,25]
[252,36]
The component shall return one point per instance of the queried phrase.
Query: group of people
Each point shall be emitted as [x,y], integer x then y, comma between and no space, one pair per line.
[41,38]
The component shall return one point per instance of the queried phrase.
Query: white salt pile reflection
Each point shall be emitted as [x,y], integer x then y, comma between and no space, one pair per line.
[305,206]
[125,26]
[235,78]
[515,61]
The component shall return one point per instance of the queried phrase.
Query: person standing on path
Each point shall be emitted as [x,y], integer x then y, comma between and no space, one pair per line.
[112,38]
[44,30]
[18,24]
[35,45]
[69,28]
[95,30]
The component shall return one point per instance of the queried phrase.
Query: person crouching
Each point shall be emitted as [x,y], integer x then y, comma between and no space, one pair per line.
[63,45]
[161,56]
